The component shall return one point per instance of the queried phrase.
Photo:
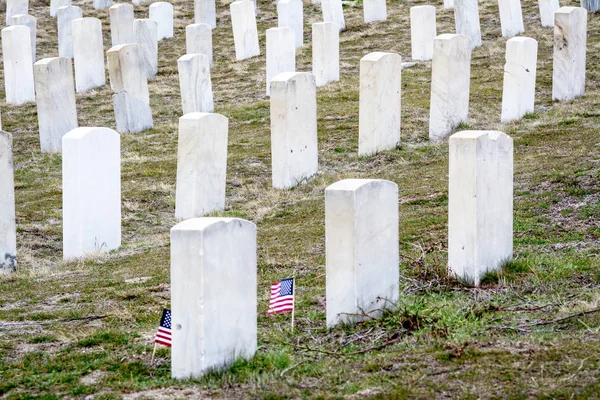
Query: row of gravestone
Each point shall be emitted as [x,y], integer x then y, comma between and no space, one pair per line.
[293,103]
[449,100]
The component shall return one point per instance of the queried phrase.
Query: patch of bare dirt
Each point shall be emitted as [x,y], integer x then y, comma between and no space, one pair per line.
[93,378]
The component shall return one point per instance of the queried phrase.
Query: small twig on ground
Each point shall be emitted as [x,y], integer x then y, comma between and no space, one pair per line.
[554,321]
[290,368]
[521,327]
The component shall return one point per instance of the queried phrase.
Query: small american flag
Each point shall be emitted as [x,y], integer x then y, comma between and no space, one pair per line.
[163,335]
[282,296]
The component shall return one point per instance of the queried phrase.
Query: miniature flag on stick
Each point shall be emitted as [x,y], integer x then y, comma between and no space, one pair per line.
[163,334]
[282,297]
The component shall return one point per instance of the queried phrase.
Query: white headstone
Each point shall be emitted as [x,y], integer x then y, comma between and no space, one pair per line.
[91,169]
[198,40]
[325,52]
[15,7]
[64,17]
[55,4]
[205,13]
[570,35]
[213,294]
[466,19]
[18,69]
[518,96]
[162,12]
[201,164]
[333,12]
[129,82]
[379,114]
[374,10]
[245,35]
[290,14]
[294,154]
[8,229]
[450,84]
[55,99]
[362,257]
[281,53]
[121,24]
[547,10]
[194,83]
[88,52]
[145,33]
[480,203]
[30,22]
[102,4]
[590,5]
[422,32]
[511,17]
[448,3]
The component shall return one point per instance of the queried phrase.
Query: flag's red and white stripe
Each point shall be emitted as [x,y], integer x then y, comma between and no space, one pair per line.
[278,303]
[163,336]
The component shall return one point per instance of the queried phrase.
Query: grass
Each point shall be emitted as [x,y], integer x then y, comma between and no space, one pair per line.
[442,339]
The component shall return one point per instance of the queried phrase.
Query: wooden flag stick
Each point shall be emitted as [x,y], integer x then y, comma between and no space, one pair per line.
[153,353]
[293,297]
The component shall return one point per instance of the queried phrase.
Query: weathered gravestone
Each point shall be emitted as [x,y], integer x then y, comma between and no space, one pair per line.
[518,96]
[374,10]
[243,24]
[294,154]
[205,13]
[590,5]
[547,10]
[422,32]
[379,114]
[91,169]
[55,4]
[480,203]
[325,52]
[18,69]
[281,53]
[88,52]
[129,82]
[466,19]
[570,35]
[511,17]
[194,83]
[290,14]
[55,100]
[30,22]
[162,13]
[361,237]
[8,229]
[198,40]
[102,4]
[201,164]
[333,12]
[121,24]
[213,294]
[64,17]
[16,7]
[145,33]
[450,83]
